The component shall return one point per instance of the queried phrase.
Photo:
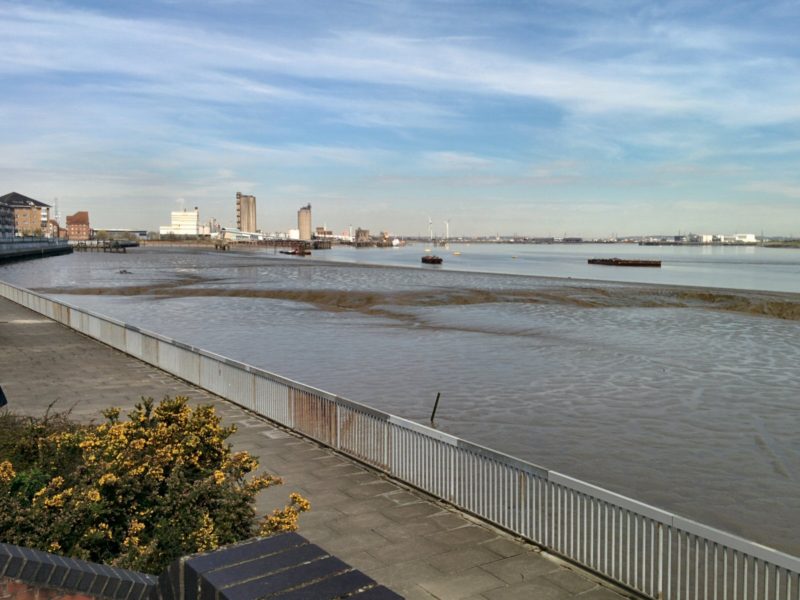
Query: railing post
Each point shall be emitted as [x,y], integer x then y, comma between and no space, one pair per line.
[338,416]
[386,445]
[660,562]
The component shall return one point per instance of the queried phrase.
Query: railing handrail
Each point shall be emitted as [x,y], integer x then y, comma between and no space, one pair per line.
[554,507]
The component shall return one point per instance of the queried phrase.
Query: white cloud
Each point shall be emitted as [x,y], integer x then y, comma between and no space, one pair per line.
[455,161]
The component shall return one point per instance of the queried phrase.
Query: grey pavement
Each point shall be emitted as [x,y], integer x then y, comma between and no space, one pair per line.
[403,539]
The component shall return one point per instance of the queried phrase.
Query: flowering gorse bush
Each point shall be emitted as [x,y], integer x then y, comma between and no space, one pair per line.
[135,493]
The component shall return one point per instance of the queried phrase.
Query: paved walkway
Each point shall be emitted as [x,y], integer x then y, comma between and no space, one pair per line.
[401,538]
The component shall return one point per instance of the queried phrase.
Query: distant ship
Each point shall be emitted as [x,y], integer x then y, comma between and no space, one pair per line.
[430,259]
[624,262]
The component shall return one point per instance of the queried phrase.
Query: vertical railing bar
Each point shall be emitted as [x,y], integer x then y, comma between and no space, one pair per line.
[660,584]
[725,573]
[530,515]
[529,508]
[558,511]
[584,502]
[636,552]
[735,558]
[537,514]
[745,562]
[612,571]
[606,536]
[777,581]
[687,568]
[551,501]
[669,562]
[679,535]
[705,569]
[571,533]
[627,546]
[755,577]
[652,556]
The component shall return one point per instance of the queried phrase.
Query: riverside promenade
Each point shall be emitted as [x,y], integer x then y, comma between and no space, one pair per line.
[403,539]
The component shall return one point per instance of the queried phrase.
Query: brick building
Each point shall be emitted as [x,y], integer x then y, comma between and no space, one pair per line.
[30,216]
[78,226]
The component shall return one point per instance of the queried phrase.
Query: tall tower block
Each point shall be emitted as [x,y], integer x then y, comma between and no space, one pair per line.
[246,212]
[304,222]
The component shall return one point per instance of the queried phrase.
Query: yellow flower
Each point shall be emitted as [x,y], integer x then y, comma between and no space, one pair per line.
[93,496]
[54,547]
[301,503]
[219,477]
[56,501]
[205,537]
[135,527]
[7,472]
[108,479]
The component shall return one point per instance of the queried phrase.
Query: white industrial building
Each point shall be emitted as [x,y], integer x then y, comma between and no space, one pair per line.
[184,222]
[745,238]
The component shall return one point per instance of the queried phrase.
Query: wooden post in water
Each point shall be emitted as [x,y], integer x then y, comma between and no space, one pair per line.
[435,406]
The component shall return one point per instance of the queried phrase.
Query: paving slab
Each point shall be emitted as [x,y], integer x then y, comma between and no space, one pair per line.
[462,585]
[399,537]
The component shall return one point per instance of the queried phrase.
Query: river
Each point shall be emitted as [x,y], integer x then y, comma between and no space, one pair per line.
[656,385]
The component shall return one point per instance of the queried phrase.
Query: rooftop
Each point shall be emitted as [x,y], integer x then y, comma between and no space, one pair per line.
[79,218]
[18,200]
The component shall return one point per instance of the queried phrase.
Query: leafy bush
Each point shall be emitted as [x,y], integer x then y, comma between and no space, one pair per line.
[135,493]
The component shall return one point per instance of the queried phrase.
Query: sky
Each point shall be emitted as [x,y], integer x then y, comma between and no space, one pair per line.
[542,118]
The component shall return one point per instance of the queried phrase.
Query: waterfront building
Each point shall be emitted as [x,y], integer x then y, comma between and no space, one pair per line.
[54,230]
[246,212]
[78,228]
[745,238]
[30,216]
[324,234]
[304,222]
[183,222]
[362,237]
[233,234]
[6,221]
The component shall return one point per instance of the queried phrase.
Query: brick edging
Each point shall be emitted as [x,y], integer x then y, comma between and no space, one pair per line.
[74,575]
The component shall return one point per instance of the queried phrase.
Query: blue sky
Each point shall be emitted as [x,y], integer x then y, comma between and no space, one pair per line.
[537,118]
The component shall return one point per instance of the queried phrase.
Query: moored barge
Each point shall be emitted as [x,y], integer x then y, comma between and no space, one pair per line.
[624,262]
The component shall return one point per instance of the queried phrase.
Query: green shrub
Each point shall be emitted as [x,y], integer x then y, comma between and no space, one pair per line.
[135,493]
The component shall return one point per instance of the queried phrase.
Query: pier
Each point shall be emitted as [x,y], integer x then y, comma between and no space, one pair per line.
[105,246]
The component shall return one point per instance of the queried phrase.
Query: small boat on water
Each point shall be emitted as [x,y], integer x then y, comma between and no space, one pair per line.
[430,259]
[624,262]
[296,252]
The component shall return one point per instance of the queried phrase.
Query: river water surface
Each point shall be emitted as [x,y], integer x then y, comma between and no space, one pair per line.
[677,395]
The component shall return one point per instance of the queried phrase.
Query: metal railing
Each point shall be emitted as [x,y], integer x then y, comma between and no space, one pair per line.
[648,550]
[12,244]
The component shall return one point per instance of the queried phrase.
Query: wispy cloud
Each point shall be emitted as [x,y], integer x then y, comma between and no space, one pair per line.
[779,188]
[455,161]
